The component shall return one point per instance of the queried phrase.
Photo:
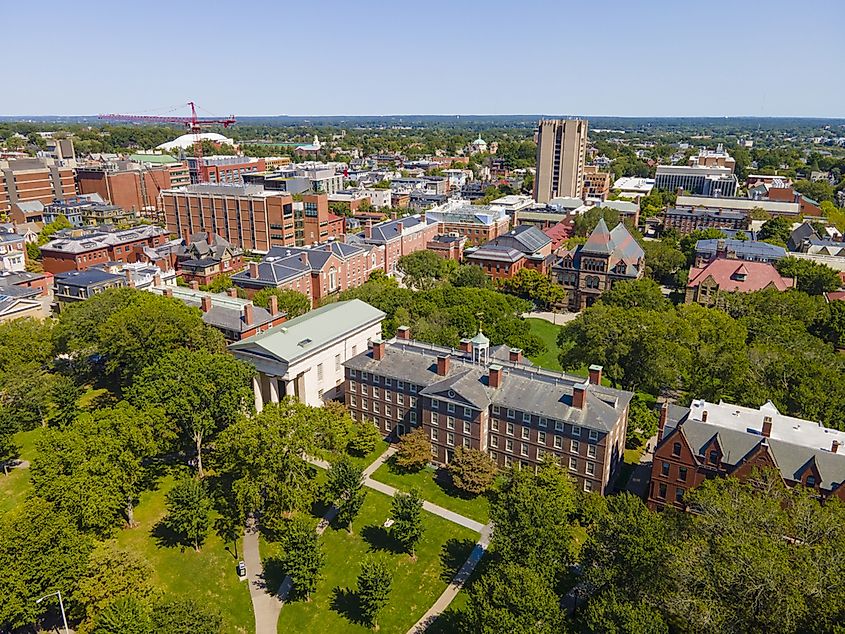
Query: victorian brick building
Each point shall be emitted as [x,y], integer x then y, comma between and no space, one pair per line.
[492,399]
[522,247]
[708,440]
[590,269]
[81,249]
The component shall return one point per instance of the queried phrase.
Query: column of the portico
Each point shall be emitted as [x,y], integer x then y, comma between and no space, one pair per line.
[256,387]
[274,389]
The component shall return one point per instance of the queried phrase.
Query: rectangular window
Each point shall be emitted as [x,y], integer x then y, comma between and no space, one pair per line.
[591,468]
[510,429]
[467,427]
[400,385]
[588,486]
[450,422]
[494,425]
[388,382]
[365,404]
[387,411]
[495,409]
[576,431]
[352,373]
[376,408]
[364,376]
[541,438]
[434,434]
[400,398]
[509,445]
[526,417]
[676,449]
[413,401]
[574,446]
[435,404]
[363,389]
[543,423]
[682,474]
[594,435]
[661,491]
[467,412]
[679,495]
[337,363]
[714,457]
[413,388]
[558,442]
[664,469]
[558,426]
[494,441]
[450,407]
[591,451]
[388,395]
[511,413]
[413,418]
[526,432]
[353,401]
[523,449]
[465,442]
[433,418]
[352,386]
[387,425]
[375,392]
[450,439]
[573,464]
[319,371]
[376,379]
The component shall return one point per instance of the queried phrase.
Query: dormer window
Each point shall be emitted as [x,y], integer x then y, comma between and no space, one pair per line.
[811,481]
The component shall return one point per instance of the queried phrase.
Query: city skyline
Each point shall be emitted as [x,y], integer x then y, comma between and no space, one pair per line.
[602,59]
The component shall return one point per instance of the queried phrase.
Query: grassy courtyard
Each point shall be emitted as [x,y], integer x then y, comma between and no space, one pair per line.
[436,490]
[416,584]
[208,576]
[15,486]
[548,332]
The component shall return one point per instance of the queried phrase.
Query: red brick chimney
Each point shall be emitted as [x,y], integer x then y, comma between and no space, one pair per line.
[303,257]
[168,292]
[595,374]
[274,305]
[156,280]
[248,314]
[515,355]
[466,345]
[400,226]
[767,427]
[368,229]
[662,420]
[129,281]
[205,303]
[232,292]
[494,378]
[253,270]
[209,236]
[443,365]
[403,332]
[195,286]
[378,349]
[834,446]
[579,395]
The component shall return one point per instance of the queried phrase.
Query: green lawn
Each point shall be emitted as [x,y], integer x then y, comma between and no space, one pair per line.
[367,460]
[548,332]
[15,486]
[208,576]
[430,489]
[416,584]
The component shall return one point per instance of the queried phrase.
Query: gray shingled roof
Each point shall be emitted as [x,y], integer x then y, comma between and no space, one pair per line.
[525,388]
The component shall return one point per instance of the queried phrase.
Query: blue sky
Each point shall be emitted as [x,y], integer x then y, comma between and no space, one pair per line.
[318,57]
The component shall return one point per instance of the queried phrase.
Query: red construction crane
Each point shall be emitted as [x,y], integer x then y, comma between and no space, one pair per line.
[193,123]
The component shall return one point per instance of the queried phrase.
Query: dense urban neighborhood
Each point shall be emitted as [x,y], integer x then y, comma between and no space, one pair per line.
[500,374]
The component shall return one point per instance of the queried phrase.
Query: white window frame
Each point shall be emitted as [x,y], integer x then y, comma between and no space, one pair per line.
[526,417]
[576,431]
[573,463]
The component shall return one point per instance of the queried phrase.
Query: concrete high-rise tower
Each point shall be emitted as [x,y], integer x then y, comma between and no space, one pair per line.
[561,152]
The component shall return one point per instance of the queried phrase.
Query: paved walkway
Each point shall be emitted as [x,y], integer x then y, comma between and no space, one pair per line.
[556,318]
[641,475]
[265,605]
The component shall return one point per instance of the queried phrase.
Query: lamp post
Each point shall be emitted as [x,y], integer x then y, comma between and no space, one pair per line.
[57,593]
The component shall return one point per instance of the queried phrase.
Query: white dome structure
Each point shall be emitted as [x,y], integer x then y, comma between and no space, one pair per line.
[187,141]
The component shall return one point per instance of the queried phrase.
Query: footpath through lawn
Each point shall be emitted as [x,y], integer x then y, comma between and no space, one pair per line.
[416,584]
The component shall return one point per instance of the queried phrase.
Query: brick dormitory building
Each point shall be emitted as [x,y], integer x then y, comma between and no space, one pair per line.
[494,400]
[708,440]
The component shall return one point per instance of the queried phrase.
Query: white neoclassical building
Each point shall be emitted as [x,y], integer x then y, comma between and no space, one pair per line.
[304,357]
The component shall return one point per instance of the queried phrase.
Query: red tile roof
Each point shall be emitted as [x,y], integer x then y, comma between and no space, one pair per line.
[728,274]
[835,296]
[559,232]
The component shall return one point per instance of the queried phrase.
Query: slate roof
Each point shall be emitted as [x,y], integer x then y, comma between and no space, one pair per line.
[390,230]
[84,279]
[618,246]
[501,254]
[526,238]
[794,443]
[91,240]
[523,387]
[201,248]
[282,264]
[728,274]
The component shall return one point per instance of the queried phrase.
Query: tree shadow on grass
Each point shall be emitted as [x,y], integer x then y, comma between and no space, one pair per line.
[379,539]
[443,479]
[165,537]
[345,602]
[452,556]
[448,622]
[274,574]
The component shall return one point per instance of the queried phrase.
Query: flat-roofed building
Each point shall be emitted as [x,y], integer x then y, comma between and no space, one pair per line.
[633,187]
[28,180]
[686,220]
[478,223]
[492,399]
[561,153]
[596,183]
[706,181]
[82,249]
[788,209]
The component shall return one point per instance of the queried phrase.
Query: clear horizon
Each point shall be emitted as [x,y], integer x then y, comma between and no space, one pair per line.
[663,59]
